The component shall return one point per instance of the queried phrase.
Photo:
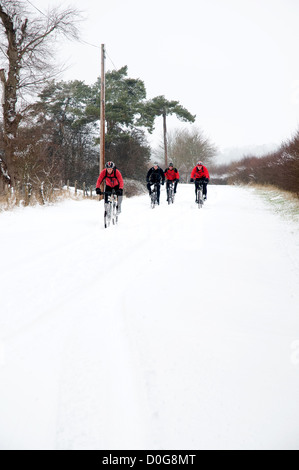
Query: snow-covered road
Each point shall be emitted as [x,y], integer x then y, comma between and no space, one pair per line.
[178,329]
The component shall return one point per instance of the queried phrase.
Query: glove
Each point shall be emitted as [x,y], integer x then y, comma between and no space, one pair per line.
[207,180]
[191,180]
[98,191]
[177,180]
[119,192]
[163,183]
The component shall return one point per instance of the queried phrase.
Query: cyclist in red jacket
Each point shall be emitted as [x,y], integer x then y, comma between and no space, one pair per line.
[200,173]
[113,180]
[171,175]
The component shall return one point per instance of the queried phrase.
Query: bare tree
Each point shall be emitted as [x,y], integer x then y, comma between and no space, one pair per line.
[26,62]
[186,147]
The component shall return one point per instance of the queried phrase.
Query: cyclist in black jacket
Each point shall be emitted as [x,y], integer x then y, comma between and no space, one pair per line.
[155,175]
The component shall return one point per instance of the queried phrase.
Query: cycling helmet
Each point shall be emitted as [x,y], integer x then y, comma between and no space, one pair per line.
[110,165]
[156,164]
[199,163]
[170,164]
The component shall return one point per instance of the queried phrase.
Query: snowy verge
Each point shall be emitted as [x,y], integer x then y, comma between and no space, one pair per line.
[177,329]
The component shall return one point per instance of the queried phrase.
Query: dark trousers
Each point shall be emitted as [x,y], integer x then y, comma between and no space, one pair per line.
[168,183]
[108,191]
[204,186]
[158,189]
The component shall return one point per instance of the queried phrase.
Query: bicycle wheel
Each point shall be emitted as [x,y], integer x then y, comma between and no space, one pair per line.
[107,215]
[153,198]
[172,195]
[114,213]
[200,197]
[170,199]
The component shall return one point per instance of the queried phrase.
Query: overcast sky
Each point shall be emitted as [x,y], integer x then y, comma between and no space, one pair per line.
[233,63]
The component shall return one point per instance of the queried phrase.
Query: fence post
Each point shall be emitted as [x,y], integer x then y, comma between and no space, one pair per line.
[42,195]
[17,193]
[7,193]
[26,202]
[84,189]
[76,183]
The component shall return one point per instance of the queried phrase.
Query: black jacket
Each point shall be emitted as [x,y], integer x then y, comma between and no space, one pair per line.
[155,176]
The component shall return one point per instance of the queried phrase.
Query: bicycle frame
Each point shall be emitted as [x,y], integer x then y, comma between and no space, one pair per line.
[199,194]
[110,213]
[154,196]
[170,192]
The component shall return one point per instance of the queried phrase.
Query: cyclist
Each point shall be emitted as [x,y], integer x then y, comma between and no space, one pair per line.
[114,180]
[155,175]
[172,175]
[200,173]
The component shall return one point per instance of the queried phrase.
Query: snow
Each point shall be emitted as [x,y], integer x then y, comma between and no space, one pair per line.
[2,100]
[177,329]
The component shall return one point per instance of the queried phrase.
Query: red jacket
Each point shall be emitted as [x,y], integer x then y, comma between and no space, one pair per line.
[201,172]
[172,175]
[112,180]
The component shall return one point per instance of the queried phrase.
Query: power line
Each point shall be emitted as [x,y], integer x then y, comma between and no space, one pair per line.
[36,8]
[110,59]
[93,45]
[80,40]
[88,43]
[97,47]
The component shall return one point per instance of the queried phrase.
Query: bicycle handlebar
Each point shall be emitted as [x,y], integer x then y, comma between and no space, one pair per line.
[109,193]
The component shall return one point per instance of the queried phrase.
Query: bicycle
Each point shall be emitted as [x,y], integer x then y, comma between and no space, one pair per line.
[170,192]
[199,194]
[110,213]
[154,196]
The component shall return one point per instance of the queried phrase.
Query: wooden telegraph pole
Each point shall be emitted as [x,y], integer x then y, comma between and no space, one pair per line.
[102,129]
[165,139]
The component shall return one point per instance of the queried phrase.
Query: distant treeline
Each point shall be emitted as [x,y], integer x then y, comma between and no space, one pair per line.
[279,168]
